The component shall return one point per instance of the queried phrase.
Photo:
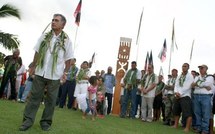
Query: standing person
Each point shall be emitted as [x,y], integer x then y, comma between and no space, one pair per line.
[68,87]
[91,97]
[12,64]
[157,104]
[28,83]
[148,94]
[138,97]
[183,102]
[169,101]
[53,52]
[131,80]
[22,85]
[203,91]
[81,81]
[20,74]
[109,82]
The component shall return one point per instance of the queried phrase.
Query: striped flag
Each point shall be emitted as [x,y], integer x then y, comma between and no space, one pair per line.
[77,13]
[162,54]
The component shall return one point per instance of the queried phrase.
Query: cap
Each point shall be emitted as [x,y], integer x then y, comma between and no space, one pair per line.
[97,72]
[203,66]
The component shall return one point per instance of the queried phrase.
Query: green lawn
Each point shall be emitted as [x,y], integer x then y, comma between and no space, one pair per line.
[70,122]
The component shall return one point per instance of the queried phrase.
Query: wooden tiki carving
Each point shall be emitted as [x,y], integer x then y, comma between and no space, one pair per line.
[121,68]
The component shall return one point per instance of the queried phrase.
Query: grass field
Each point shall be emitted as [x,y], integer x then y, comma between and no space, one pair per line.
[70,122]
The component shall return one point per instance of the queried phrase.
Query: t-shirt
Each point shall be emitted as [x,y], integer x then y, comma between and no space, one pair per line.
[91,89]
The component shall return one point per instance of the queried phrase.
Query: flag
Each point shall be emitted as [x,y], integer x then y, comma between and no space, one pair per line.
[191,53]
[173,37]
[151,59]
[146,62]
[162,54]
[161,71]
[92,60]
[77,13]
[138,34]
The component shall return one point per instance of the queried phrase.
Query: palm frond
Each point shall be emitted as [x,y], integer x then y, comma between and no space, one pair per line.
[9,41]
[9,10]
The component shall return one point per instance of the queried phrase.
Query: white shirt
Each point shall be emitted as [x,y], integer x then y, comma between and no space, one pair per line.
[171,82]
[205,81]
[63,56]
[185,89]
[148,83]
[88,73]
[19,72]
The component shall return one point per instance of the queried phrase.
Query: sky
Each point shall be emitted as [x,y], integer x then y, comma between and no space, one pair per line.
[103,22]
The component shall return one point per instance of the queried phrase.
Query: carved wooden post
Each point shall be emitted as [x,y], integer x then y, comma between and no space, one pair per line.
[121,68]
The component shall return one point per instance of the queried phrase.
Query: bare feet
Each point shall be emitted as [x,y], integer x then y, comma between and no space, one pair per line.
[83,117]
[186,130]
[93,119]
[174,126]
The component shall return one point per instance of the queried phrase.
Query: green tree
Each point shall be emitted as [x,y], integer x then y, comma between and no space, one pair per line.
[7,40]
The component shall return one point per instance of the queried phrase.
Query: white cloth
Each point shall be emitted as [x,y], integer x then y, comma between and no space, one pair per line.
[63,56]
[206,81]
[185,89]
[81,88]
[20,72]
[148,83]
[81,100]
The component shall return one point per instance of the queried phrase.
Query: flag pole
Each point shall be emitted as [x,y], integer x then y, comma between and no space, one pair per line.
[75,44]
[46,28]
[191,52]
[138,34]
[172,45]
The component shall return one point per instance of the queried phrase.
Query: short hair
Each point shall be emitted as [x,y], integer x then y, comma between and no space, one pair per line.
[16,50]
[63,18]
[85,62]
[187,65]
[151,65]
[134,62]
[74,59]
[92,80]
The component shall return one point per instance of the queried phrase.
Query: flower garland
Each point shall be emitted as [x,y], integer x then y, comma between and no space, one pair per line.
[45,45]
[81,74]
[181,80]
[199,81]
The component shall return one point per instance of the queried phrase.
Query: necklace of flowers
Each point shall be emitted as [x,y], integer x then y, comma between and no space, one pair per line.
[182,79]
[81,74]
[199,81]
[45,45]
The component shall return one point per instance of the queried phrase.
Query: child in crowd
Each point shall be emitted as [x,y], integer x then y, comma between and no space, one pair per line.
[100,103]
[91,97]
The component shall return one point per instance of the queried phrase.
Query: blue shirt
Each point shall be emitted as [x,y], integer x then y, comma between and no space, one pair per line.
[74,74]
[109,82]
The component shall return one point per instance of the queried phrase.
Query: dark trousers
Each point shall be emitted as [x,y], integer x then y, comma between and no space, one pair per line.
[36,95]
[138,102]
[109,100]
[4,82]
[68,88]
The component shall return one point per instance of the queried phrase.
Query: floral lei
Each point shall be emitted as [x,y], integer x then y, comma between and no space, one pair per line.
[181,80]
[199,81]
[45,45]
[81,74]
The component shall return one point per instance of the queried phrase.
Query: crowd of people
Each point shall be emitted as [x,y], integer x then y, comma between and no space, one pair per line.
[54,78]
[187,96]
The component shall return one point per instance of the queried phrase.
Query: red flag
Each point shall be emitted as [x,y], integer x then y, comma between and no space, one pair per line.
[77,13]
[162,54]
